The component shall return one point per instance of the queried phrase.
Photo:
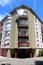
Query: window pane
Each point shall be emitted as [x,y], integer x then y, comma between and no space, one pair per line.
[23,21]
[37,34]
[23,31]
[23,39]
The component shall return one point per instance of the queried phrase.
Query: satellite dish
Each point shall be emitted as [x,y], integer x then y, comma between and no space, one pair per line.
[20,12]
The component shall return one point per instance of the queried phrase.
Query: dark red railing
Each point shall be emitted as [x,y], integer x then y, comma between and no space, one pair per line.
[23,44]
[6,44]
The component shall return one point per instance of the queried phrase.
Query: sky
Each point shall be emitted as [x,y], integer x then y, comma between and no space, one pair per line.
[7,6]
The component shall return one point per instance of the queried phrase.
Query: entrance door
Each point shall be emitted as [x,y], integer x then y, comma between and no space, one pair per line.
[23,53]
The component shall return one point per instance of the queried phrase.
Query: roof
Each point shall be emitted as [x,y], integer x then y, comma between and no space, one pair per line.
[25,7]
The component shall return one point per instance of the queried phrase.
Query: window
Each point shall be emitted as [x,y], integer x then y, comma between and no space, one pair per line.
[36,24]
[8,28]
[9,18]
[37,34]
[8,34]
[23,39]
[6,40]
[35,19]
[8,31]
[9,25]
[23,31]
[37,40]
[36,28]
[23,22]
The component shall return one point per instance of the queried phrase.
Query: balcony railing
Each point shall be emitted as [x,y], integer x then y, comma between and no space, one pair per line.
[23,32]
[23,44]
[23,16]
[23,25]
[22,35]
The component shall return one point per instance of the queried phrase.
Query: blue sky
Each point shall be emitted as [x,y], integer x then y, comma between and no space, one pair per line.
[8,5]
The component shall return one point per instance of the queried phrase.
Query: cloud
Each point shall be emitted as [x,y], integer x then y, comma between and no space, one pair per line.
[5,2]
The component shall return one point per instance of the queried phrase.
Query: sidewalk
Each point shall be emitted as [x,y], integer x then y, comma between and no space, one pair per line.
[16,61]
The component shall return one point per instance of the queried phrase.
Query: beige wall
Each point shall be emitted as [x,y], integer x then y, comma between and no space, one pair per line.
[14,33]
[32,41]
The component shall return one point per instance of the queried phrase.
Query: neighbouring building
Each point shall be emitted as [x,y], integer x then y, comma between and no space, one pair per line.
[1,27]
[21,34]
[42,32]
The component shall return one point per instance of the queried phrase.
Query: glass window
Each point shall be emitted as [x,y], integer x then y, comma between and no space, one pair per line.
[23,31]
[36,28]
[6,39]
[8,31]
[23,21]
[8,28]
[8,34]
[23,39]
[36,24]
[37,34]
[35,19]
[9,25]
[37,40]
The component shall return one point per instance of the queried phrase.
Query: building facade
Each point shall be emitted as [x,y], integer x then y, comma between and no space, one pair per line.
[21,33]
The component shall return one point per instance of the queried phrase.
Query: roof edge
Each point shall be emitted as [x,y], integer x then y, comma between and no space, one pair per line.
[24,6]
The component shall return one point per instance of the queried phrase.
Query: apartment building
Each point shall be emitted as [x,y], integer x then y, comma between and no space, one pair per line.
[21,33]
